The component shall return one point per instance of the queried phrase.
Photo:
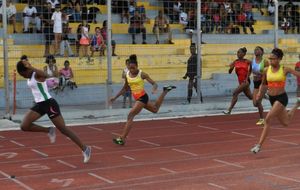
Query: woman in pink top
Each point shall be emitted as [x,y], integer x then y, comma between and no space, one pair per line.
[66,76]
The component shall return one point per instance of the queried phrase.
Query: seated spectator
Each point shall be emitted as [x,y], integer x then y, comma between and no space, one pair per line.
[183,17]
[66,76]
[29,14]
[10,13]
[51,70]
[65,44]
[104,35]
[161,25]
[92,14]
[121,7]
[177,9]
[137,26]
[132,7]
[242,20]
[69,10]
[192,19]
[97,42]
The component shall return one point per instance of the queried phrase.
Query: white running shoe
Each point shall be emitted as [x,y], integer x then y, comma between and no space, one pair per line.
[87,154]
[52,134]
[227,112]
[255,149]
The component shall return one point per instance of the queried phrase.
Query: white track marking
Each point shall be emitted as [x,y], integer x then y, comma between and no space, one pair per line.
[95,128]
[1,137]
[101,178]
[217,186]
[67,164]
[168,170]
[116,134]
[97,147]
[147,142]
[185,152]
[16,181]
[284,142]
[178,122]
[228,163]
[282,177]
[19,144]
[204,127]
[39,152]
[242,134]
[128,157]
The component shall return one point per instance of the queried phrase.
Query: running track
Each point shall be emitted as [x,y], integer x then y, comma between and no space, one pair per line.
[205,153]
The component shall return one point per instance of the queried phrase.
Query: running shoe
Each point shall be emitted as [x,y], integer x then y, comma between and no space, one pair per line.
[87,154]
[168,88]
[52,134]
[255,149]
[298,100]
[119,141]
[260,122]
[227,112]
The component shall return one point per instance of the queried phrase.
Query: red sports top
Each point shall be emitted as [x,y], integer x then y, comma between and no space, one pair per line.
[241,69]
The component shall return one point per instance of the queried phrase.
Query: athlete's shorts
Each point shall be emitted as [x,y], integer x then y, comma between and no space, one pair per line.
[49,107]
[282,98]
[257,84]
[144,99]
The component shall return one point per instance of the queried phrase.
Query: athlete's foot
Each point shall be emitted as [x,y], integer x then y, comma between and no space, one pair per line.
[119,141]
[87,154]
[227,112]
[52,134]
[256,149]
[260,122]
[169,88]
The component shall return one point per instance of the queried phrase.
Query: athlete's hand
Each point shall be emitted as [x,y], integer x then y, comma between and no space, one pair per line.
[112,100]
[258,96]
[184,77]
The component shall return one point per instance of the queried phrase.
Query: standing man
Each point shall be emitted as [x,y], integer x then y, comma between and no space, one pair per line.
[191,72]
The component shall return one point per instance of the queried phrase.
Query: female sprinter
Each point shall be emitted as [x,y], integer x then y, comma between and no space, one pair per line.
[258,65]
[274,77]
[135,80]
[242,68]
[45,104]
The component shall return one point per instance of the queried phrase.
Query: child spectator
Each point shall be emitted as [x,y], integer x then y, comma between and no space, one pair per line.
[57,27]
[127,94]
[84,38]
[104,35]
[11,13]
[29,14]
[297,68]
[66,76]
[51,70]
[97,42]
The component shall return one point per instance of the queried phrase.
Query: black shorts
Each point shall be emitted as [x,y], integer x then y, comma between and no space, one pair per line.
[49,107]
[257,84]
[282,98]
[144,99]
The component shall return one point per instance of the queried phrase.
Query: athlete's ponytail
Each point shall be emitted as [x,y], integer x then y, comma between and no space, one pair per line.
[244,50]
[21,67]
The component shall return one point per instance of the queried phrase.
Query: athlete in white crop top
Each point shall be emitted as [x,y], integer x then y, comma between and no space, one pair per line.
[45,104]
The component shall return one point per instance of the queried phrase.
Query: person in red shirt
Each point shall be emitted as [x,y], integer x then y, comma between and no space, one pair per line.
[297,68]
[242,68]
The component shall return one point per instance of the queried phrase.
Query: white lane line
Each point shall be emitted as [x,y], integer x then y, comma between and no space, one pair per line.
[178,122]
[282,177]
[16,181]
[95,128]
[97,147]
[242,134]
[284,142]
[228,163]
[68,138]
[67,164]
[1,137]
[185,152]
[116,134]
[217,186]
[210,128]
[128,157]
[147,142]
[101,178]
[19,144]
[168,170]
[39,152]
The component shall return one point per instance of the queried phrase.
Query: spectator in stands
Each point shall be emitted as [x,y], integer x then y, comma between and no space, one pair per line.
[271,7]
[161,25]
[191,72]
[242,20]
[177,9]
[65,44]
[104,35]
[10,14]
[84,38]
[97,42]
[121,7]
[52,71]
[297,68]
[183,17]
[29,14]
[247,9]
[132,7]
[289,4]
[192,19]
[69,11]
[66,76]
[48,27]
[92,14]
[127,94]
[57,27]
[53,3]
[137,26]
[77,8]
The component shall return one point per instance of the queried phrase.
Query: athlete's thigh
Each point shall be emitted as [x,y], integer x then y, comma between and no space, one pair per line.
[30,117]
[137,108]
[247,92]
[240,88]
[276,110]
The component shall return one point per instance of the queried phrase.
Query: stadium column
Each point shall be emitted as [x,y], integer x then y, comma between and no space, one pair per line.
[199,62]
[109,57]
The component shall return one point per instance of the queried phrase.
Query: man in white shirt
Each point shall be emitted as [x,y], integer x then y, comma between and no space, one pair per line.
[11,13]
[29,14]
[53,3]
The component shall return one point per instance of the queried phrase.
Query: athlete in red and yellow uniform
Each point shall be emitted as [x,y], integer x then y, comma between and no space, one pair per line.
[135,80]
[242,68]
[274,78]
